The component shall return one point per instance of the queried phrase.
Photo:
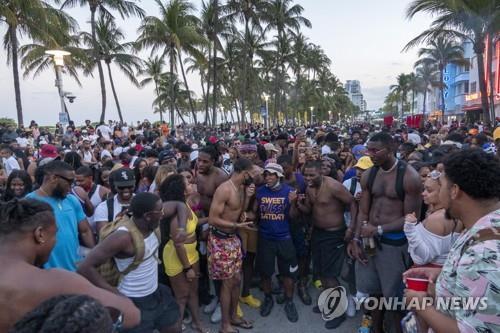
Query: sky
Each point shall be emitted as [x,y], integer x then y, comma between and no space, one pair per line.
[363,38]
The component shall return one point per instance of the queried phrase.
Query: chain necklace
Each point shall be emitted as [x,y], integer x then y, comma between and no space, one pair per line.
[390,169]
[59,203]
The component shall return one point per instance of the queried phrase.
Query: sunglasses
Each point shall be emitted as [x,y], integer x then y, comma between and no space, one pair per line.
[69,180]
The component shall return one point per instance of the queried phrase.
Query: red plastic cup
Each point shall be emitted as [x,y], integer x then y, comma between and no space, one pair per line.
[417,284]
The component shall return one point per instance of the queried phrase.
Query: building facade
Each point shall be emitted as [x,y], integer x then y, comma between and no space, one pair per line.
[353,88]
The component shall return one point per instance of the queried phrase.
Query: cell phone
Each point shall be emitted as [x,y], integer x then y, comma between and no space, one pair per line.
[409,323]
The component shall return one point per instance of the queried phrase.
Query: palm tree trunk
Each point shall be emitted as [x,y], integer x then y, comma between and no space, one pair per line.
[160,107]
[479,50]
[214,38]
[180,115]
[172,92]
[245,70]
[15,72]
[237,112]
[207,96]
[97,59]
[114,93]
[425,104]
[187,88]
[489,60]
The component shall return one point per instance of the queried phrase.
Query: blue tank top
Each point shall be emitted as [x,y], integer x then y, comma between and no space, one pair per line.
[274,212]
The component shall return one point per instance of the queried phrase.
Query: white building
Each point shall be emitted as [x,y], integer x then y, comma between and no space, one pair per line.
[353,88]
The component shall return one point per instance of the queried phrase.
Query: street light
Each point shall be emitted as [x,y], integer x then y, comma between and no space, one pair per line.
[311,108]
[266,117]
[58,57]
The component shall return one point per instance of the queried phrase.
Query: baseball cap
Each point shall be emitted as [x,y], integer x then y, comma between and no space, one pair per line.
[364,163]
[358,151]
[270,147]
[274,168]
[123,177]
[48,151]
[414,138]
[166,154]
[496,134]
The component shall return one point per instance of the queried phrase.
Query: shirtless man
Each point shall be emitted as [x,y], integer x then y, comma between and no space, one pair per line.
[224,246]
[381,216]
[208,176]
[27,237]
[326,199]
[208,179]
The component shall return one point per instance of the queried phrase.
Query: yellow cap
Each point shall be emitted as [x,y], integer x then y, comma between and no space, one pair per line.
[496,134]
[364,163]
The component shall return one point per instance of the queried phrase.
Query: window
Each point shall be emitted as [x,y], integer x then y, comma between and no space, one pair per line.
[473,87]
[466,67]
[466,87]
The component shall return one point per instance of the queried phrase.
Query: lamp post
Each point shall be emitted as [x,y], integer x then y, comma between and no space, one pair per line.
[266,117]
[58,57]
[311,108]
[329,116]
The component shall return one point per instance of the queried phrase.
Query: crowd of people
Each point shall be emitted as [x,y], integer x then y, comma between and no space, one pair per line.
[156,224]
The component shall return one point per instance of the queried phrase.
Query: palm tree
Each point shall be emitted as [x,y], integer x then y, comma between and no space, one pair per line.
[124,7]
[441,52]
[109,37]
[167,83]
[401,89]
[152,70]
[472,20]
[249,13]
[428,76]
[175,30]
[285,17]
[414,87]
[34,19]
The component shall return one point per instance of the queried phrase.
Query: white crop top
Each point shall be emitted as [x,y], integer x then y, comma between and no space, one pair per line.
[143,280]
[426,247]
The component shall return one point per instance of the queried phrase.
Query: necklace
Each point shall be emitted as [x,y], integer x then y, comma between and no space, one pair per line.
[237,191]
[390,169]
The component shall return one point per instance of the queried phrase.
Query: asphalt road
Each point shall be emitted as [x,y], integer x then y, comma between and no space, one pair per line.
[278,323]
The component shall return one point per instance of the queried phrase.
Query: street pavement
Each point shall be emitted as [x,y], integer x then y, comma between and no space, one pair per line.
[277,322]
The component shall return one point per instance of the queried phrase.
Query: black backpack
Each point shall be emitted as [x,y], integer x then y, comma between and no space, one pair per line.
[401,169]
[354,182]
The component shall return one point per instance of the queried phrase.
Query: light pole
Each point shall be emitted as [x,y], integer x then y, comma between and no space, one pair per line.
[58,57]
[311,108]
[266,117]
[329,116]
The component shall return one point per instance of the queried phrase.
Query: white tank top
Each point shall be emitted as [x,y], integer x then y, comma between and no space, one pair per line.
[87,156]
[143,280]
[96,199]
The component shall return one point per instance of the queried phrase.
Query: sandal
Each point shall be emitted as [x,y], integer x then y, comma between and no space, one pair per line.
[198,329]
[243,323]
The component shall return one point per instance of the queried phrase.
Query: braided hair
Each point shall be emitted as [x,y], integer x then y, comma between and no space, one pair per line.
[68,314]
[20,215]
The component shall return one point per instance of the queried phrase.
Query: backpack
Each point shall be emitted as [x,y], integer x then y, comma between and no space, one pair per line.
[109,271]
[400,175]
[110,204]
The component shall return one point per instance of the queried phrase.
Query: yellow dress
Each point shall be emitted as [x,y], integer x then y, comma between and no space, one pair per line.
[173,265]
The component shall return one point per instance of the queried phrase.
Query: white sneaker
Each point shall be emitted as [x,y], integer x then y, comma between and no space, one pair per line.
[351,307]
[209,308]
[216,316]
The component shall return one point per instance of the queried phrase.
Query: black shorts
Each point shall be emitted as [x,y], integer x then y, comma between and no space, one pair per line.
[328,252]
[158,310]
[269,250]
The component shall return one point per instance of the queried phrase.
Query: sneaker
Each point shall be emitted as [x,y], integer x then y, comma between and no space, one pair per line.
[250,301]
[291,312]
[266,308]
[187,317]
[366,324]
[208,309]
[304,295]
[351,307]
[318,284]
[216,315]
[239,312]
[334,323]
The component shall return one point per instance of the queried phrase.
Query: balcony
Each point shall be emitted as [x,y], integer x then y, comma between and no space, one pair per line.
[464,76]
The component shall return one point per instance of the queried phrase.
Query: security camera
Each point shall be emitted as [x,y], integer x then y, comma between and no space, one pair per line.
[71,98]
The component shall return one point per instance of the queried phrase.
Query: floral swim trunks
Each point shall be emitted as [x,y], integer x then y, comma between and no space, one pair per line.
[224,256]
